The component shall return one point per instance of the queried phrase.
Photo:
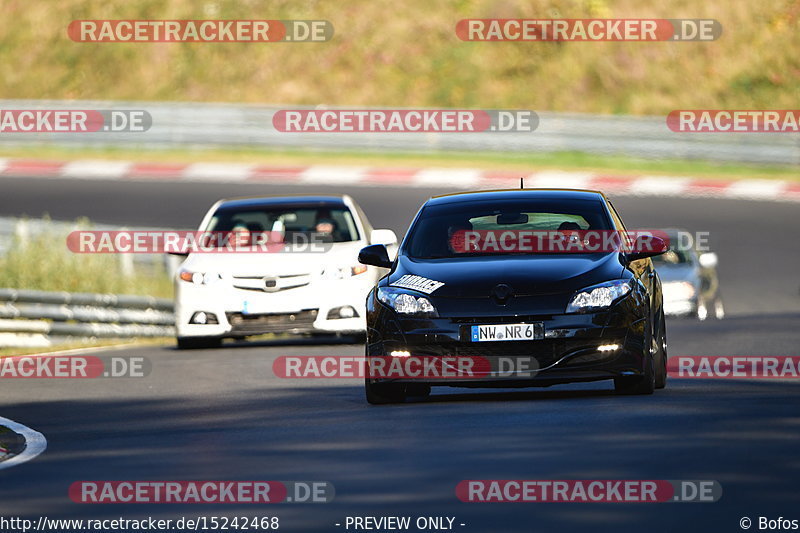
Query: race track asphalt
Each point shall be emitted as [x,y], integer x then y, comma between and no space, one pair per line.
[222,414]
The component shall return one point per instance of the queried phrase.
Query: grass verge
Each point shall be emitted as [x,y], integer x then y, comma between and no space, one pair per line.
[42,261]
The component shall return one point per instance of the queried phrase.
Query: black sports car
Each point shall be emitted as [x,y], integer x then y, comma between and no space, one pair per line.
[530,316]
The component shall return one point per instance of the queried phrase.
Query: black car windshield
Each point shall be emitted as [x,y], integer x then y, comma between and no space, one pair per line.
[333,221]
[433,233]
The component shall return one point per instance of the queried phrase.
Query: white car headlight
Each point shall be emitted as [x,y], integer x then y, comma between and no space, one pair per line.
[598,296]
[405,303]
[200,278]
[329,273]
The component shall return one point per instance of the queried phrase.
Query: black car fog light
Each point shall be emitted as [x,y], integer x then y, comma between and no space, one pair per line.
[201,317]
[556,333]
[345,311]
[608,348]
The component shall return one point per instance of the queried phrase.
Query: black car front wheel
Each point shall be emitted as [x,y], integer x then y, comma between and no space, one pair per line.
[660,353]
[646,383]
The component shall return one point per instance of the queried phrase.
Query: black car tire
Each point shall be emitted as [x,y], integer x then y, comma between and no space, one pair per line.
[194,343]
[384,393]
[646,383]
[660,355]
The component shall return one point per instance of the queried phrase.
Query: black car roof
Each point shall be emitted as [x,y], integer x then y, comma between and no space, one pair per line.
[517,194]
[282,200]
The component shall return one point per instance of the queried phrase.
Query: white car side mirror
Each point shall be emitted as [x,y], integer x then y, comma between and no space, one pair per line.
[385,237]
[708,260]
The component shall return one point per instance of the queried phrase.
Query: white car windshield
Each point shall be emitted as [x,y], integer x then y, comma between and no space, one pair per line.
[329,223]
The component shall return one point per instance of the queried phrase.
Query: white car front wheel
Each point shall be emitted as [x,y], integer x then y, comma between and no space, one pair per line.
[194,343]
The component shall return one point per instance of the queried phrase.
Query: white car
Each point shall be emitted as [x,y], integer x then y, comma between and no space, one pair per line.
[313,283]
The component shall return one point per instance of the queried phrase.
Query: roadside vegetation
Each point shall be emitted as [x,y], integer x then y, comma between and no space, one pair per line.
[40,260]
[388,53]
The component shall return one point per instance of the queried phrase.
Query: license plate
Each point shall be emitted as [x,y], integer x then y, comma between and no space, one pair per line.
[507,332]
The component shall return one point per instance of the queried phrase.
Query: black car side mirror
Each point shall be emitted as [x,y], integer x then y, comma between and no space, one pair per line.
[647,246]
[375,255]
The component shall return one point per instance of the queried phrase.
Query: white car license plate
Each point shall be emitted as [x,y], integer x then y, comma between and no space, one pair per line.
[507,332]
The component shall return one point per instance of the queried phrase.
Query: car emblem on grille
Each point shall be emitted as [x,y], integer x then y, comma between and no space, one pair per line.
[270,284]
[502,293]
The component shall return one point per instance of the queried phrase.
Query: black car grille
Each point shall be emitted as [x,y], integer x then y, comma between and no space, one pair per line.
[510,319]
[256,324]
[545,352]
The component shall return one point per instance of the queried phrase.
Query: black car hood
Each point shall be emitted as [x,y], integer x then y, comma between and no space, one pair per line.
[476,277]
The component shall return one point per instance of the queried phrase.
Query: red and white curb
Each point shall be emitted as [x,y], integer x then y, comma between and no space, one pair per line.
[35,443]
[456,178]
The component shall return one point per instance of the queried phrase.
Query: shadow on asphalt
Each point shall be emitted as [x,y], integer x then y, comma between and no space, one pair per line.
[317,340]
[445,394]
[407,459]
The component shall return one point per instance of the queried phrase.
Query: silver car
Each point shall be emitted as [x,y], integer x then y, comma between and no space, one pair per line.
[689,279]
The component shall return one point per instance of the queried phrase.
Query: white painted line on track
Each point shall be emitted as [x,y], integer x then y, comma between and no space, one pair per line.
[756,189]
[88,169]
[35,443]
[217,172]
[88,349]
[659,185]
[447,177]
[332,175]
[549,179]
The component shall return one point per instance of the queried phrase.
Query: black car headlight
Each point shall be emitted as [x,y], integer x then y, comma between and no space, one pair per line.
[406,303]
[598,296]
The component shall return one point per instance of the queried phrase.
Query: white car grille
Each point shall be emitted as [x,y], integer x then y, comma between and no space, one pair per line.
[271,283]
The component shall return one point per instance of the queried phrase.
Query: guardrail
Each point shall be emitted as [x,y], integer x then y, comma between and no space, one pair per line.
[38,318]
[228,125]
